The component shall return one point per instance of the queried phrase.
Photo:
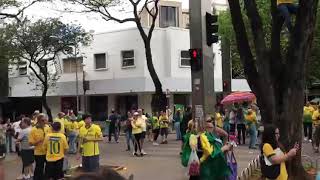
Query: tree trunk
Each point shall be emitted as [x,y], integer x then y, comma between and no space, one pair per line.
[159,100]
[4,80]
[45,103]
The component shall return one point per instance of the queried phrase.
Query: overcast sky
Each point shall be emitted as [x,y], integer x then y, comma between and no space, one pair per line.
[88,21]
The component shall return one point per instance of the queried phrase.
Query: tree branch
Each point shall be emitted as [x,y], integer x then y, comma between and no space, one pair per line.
[101,8]
[36,73]
[243,44]
[154,18]
[256,27]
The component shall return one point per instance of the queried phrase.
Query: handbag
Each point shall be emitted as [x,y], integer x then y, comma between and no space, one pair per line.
[233,165]
[271,172]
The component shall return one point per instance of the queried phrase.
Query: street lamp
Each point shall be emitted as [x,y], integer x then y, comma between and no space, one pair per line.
[85,86]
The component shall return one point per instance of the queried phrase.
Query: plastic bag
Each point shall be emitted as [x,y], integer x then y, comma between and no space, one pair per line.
[232,163]
[194,164]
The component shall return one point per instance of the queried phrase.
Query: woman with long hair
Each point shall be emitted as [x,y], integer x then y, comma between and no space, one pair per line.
[272,152]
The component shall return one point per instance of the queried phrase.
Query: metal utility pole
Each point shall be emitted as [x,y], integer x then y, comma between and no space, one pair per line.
[77,80]
[203,96]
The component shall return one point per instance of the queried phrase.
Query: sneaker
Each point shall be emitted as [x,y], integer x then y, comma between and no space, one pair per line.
[20,177]
[310,141]
[165,142]
[26,176]
[143,152]
[155,144]
[31,175]
[305,139]
[136,154]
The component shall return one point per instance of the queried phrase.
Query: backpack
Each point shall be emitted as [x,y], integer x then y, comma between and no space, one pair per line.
[271,172]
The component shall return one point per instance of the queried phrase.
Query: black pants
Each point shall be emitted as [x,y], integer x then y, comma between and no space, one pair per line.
[232,128]
[241,131]
[137,144]
[54,170]
[40,167]
[156,134]
[194,178]
[307,127]
[113,130]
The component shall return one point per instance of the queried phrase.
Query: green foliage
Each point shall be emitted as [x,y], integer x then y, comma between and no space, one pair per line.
[40,43]
[226,31]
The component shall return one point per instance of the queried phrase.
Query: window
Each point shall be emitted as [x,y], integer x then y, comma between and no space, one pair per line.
[168,16]
[70,65]
[23,70]
[185,59]
[127,58]
[100,61]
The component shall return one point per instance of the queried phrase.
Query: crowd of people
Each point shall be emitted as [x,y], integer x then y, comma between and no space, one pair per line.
[42,145]
[311,124]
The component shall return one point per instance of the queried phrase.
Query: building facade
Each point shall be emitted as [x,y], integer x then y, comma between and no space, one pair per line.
[115,66]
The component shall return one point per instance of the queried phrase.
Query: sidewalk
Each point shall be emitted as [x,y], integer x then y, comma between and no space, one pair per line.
[162,162]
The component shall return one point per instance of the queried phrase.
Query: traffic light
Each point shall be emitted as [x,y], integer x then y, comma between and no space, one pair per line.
[212,28]
[196,59]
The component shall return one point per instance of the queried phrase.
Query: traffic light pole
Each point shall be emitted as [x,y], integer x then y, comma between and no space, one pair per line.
[203,97]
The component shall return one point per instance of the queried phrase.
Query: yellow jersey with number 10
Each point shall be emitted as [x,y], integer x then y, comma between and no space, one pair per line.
[55,144]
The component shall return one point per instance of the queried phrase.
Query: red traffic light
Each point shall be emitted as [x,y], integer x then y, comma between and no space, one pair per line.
[194,53]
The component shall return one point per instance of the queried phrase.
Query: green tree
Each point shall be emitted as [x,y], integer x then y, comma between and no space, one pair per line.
[5,52]
[104,8]
[39,44]
[275,64]
[226,31]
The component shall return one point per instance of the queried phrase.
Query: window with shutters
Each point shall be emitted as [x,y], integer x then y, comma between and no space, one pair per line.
[71,65]
[128,58]
[168,16]
[185,59]
[100,61]
[23,69]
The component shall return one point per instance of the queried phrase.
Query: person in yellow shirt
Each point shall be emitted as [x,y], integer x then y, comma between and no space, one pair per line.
[36,139]
[56,145]
[137,129]
[307,121]
[287,7]
[251,119]
[316,134]
[219,121]
[72,131]
[61,120]
[164,126]
[89,137]
[272,154]
[34,118]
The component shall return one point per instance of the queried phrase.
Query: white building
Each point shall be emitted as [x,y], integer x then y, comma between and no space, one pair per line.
[115,66]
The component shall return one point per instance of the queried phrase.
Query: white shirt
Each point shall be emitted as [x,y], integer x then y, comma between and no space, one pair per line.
[16,127]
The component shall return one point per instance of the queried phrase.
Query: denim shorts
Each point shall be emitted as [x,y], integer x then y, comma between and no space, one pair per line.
[90,163]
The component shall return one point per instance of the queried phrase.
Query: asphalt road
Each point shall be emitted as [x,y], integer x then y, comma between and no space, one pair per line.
[162,162]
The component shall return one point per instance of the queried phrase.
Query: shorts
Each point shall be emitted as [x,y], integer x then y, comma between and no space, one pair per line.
[143,135]
[90,163]
[27,157]
[54,169]
[164,131]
